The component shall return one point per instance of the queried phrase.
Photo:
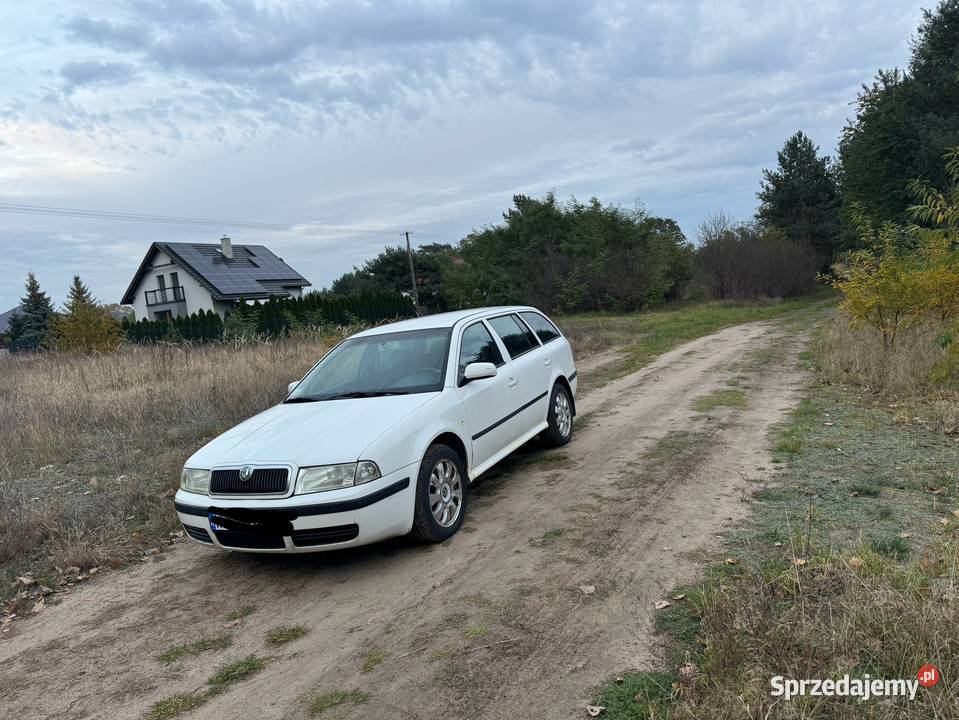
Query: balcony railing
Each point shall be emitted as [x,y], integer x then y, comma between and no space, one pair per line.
[172,294]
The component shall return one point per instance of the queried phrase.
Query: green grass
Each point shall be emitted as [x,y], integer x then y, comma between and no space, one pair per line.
[549,537]
[677,444]
[646,335]
[225,677]
[232,673]
[283,634]
[864,489]
[890,545]
[321,703]
[720,398]
[637,696]
[174,706]
[178,652]
[373,659]
[476,631]
[241,612]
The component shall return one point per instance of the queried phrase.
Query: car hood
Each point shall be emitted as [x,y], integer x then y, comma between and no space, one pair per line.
[317,433]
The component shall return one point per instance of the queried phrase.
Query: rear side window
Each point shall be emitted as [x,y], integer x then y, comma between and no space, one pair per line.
[478,346]
[517,338]
[543,328]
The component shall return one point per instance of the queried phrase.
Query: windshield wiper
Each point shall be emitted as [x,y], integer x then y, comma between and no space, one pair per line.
[303,399]
[365,394]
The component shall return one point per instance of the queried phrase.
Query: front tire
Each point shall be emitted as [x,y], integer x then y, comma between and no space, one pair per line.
[559,417]
[441,495]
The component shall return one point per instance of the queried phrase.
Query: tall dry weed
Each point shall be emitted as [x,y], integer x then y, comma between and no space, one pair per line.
[91,446]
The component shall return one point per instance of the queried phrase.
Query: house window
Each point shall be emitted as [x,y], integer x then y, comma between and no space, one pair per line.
[163,315]
[161,282]
[174,280]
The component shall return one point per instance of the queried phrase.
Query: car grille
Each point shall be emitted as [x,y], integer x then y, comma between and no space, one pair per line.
[264,481]
[325,536]
[198,533]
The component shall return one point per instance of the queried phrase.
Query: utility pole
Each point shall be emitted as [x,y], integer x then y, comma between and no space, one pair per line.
[409,254]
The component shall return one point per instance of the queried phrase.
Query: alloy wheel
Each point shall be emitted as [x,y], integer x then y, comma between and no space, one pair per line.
[445,492]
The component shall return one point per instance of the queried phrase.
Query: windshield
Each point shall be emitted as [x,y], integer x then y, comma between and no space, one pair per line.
[399,363]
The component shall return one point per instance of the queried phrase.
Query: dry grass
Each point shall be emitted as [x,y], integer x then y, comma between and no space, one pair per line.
[851,355]
[859,612]
[92,446]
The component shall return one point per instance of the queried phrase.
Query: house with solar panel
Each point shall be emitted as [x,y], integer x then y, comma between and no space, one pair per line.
[179,279]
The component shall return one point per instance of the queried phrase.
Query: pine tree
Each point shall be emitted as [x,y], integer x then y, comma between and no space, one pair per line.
[30,326]
[801,197]
[78,297]
[86,326]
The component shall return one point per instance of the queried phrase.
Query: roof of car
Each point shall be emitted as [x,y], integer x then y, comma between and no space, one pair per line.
[443,320]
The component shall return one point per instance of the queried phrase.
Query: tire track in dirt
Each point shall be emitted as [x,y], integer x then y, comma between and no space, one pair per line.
[599,512]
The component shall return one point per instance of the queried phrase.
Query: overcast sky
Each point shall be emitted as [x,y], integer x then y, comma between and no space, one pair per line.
[380,116]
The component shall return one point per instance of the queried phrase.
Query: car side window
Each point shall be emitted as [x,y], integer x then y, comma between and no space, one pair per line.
[543,328]
[478,346]
[517,338]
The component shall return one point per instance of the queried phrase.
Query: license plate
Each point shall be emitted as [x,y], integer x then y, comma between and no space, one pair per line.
[213,525]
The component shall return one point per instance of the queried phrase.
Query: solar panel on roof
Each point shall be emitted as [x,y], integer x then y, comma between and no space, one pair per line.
[240,275]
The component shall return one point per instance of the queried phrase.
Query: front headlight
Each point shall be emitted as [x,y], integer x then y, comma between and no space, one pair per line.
[197,481]
[334,477]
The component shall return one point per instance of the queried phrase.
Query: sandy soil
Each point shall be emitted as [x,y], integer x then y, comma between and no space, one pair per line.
[493,623]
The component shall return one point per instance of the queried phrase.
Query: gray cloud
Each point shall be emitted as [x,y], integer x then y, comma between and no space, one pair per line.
[116,36]
[96,72]
[406,114]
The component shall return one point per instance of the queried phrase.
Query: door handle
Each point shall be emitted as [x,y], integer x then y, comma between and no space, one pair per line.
[512,382]
[546,362]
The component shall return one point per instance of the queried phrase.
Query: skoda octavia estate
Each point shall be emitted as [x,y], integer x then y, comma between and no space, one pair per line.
[384,435]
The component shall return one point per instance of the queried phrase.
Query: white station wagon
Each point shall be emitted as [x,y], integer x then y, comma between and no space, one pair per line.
[384,435]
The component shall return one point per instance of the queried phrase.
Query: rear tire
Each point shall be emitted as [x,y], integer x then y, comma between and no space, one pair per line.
[441,495]
[559,417]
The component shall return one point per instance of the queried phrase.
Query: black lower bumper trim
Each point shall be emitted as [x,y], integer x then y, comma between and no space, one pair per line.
[198,533]
[250,541]
[291,513]
[325,536]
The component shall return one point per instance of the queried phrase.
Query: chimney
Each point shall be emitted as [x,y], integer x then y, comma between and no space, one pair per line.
[226,247]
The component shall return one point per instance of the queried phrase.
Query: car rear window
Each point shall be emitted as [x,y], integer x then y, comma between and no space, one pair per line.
[543,328]
[517,338]
[478,346]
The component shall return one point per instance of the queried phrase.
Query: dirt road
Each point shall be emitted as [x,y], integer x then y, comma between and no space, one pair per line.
[498,622]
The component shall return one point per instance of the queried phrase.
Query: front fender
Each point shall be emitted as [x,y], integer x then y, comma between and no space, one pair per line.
[407,441]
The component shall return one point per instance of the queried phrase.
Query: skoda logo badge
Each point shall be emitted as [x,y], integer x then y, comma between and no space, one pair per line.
[246,472]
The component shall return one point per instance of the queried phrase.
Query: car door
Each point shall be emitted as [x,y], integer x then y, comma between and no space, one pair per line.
[555,350]
[485,401]
[527,371]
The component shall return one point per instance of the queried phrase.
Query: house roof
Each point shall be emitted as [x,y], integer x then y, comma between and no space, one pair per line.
[252,273]
[5,319]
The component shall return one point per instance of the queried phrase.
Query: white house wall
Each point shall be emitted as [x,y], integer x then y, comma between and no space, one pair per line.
[196,296]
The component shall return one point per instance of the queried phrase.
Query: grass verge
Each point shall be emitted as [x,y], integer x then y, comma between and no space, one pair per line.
[846,564]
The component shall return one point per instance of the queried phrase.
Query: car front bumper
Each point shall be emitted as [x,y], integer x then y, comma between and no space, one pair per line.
[303,523]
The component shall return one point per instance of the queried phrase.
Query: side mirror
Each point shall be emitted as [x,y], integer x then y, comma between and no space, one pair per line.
[292,386]
[478,371]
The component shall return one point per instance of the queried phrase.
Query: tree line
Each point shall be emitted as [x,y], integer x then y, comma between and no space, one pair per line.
[574,256]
